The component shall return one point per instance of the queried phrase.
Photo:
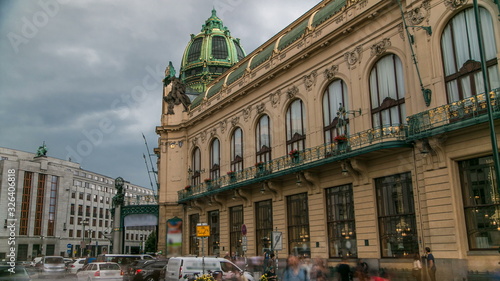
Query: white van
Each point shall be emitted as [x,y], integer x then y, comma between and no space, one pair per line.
[185,268]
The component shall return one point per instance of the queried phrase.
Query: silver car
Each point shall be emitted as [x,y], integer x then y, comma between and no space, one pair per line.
[51,266]
[109,271]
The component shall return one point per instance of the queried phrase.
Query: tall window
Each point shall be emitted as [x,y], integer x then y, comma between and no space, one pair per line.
[396,216]
[298,225]
[196,164]
[25,203]
[461,55]
[235,223]
[52,205]
[295,126]
[214,238]
[264,225]
[40,195]
[481,203]
[335,96]
[195,50]
[194,219]
[387,91]
[263,139]
[340,220]
[237,150]
[215,159]
[219,47]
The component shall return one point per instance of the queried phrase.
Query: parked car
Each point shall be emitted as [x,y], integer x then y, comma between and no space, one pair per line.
[109,271]
[124,260]
[187,268]
[51,266]
[17,273]
[36,260]
[77,264]
[145,270]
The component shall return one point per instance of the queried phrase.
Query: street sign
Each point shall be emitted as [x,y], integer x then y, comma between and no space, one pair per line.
[244,230]
[202,230]
[277,241]
[244,241]
[69,245]
[69,251]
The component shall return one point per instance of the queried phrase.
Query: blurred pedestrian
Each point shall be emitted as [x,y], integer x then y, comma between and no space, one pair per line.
[319,271]
[417,267]
[293,270]
[362,271]
[431,264]
[344,270]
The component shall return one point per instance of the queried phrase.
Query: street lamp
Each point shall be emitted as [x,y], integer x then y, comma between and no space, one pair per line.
[83,245]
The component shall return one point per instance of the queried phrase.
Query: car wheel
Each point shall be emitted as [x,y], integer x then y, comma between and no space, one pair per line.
[151,278]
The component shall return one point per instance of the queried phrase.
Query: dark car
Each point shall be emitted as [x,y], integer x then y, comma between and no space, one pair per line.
[17,273]
[145,270]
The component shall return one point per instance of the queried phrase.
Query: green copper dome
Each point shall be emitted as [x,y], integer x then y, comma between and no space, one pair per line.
[209,54]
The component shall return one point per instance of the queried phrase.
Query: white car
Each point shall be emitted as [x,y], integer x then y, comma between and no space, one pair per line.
[109,271]
[74,266]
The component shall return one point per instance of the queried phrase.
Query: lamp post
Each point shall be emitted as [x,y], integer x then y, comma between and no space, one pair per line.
[83,246]
[90,231]
[484,70]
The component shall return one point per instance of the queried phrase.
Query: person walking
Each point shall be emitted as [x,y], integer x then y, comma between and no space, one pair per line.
[362,271]
[319,271]
[431,264]
[293,270]
[344,270]
[417,267]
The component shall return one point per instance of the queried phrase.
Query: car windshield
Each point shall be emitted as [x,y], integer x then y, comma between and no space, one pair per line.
[109,266]
[54,260]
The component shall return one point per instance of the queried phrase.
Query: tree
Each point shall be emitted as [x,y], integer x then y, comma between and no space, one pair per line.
[150,246]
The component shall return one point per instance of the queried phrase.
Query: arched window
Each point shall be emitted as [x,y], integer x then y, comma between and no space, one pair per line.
[295,128]
[219,47]
[196,166]
[334,97]
[263,139]
[195,50]
[215,159]
[237,150]
[387,91]
[461,56]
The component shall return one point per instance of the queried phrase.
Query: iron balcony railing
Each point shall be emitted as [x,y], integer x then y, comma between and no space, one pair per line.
[449,117]
[453,116]
[390,136]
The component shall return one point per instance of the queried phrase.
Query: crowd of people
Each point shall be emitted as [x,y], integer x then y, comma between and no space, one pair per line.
[305,269]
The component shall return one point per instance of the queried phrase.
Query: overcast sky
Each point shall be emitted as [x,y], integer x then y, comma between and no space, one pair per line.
[85,75]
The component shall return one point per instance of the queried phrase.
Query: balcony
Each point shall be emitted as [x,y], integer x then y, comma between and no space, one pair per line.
[356,144]
[449,117]
[453,116]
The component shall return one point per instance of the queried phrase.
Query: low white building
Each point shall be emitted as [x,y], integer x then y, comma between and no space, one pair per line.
[51,206]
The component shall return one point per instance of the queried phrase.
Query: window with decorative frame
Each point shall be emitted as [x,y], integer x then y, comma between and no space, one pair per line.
[299,240]
[335,96]
[341,222]
[263,139]
[214,238]
[194,219]
[263,224]
[396,216]
[461,54]
[196,166]
[215,159]
[481,203]
[235,223]
[295,126]
[237,150]
[387,91]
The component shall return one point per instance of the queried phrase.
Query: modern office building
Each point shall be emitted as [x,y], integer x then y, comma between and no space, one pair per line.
[360,130]
[51,206]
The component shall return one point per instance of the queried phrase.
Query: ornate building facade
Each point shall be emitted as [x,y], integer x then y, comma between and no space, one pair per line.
[360,130]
